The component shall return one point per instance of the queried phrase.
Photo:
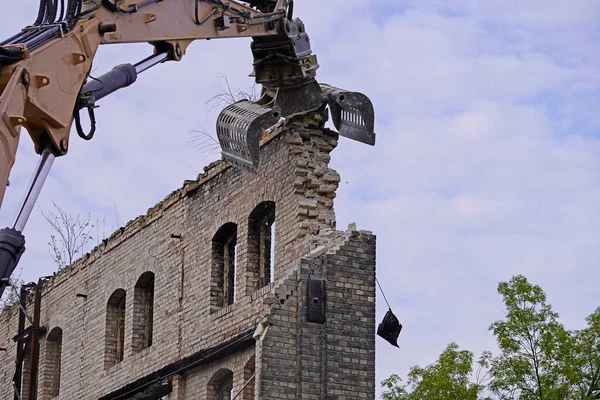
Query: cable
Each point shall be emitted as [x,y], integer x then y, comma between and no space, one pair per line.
[114,7]
[10,52]
[6,60]
[266,21]
[265,15]
[91,10]
[97,80]
[41,13]
[52,9]
[77,12]
[376,280]
[78,126]
[244,387]
[160,378]
[71,11]
[197,19]
[242,13]
[62,10]
[72,21]
[290,6]
[10,56]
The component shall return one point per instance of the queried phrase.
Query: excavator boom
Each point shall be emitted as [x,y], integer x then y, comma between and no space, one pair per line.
[44,71]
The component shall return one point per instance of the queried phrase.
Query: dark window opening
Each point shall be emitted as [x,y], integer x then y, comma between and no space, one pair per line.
[220,386]
[53,363]
[224,255]
[272,252]
[261,245]
[26,374]
[115,329]
[143,312]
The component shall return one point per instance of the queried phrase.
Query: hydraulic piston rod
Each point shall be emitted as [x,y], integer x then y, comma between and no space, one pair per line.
[35,187]
[119,77]
[12,241]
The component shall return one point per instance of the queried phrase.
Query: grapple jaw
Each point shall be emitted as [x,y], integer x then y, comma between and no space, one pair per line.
[352,114]
[239,128]
[241,124]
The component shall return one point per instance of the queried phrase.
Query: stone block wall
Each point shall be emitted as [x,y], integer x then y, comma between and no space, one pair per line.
[145,315]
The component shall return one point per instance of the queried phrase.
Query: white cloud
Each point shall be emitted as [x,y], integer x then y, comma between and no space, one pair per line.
[487,158]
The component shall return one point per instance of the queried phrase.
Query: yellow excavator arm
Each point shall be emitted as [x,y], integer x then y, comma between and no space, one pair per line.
[45,82]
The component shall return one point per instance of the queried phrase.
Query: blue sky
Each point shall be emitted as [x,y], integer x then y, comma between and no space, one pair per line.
[487,161]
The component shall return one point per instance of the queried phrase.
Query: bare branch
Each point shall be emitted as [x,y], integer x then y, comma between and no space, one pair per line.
[72,234]
[227,96]
[115,212]
[206,142]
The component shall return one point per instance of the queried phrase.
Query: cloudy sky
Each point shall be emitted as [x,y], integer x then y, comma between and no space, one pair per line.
[487,161]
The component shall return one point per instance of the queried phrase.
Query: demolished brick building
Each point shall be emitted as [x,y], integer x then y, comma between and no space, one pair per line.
[237,284]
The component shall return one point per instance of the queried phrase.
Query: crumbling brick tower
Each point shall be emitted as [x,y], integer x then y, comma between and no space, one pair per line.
[236,284]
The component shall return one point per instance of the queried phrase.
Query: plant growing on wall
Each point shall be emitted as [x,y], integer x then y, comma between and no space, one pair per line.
[205,142]
[10,298]
[70,235]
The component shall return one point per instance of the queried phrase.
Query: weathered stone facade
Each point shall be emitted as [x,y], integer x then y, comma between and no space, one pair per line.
[182,302]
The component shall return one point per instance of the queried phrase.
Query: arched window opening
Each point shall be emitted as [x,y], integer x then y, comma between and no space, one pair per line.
[115,329]
[53,363]
[26,374]
[224,255]
[220,386]
[272,252]
[249,379]
[143,312]
[261,245]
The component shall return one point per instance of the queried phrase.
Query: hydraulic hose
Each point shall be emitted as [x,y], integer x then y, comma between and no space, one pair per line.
[62,10]
[41,12]
[114,7]
[52,10]
[71,12]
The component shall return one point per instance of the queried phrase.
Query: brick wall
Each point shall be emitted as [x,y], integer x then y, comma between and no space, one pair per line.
[200,346]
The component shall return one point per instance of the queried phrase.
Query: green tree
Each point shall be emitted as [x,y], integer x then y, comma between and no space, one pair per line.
[538,358]
[532,345]
[583,369]
[449,378]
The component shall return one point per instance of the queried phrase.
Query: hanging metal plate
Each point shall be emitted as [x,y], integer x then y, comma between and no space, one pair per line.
[239,128]
[316,300]
[352,114]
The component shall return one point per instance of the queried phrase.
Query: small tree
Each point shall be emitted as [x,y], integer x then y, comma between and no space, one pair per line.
[71,235]
[12,294]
